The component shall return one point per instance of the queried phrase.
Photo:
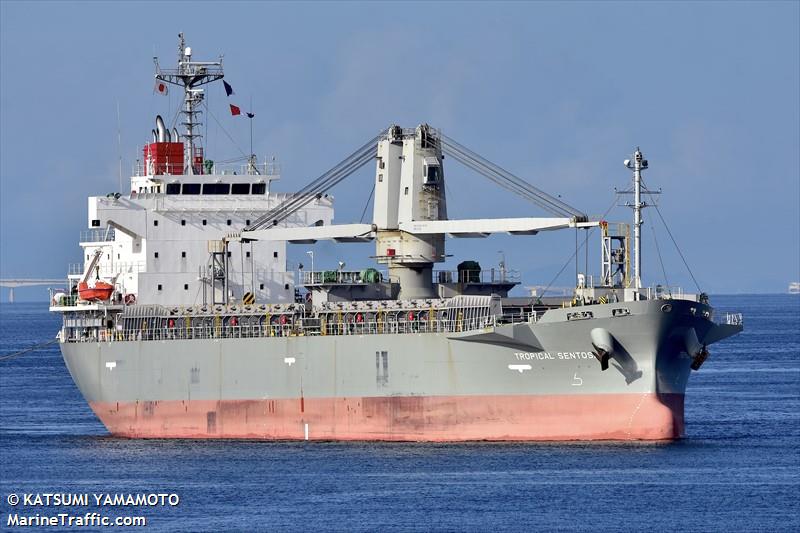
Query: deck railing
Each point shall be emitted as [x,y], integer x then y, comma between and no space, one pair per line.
[283,330]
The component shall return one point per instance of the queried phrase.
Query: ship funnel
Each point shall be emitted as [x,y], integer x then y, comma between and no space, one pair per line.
[167,136]
[161,128]
[603,344]
[176,138]
[155,136]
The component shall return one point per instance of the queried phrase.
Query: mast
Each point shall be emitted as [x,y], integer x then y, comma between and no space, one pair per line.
[638,164]
[190,75]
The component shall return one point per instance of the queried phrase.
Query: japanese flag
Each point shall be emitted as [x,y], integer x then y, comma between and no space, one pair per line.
[161,88]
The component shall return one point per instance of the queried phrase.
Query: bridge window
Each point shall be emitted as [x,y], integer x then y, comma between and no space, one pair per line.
[216,188]
[240,188]
[259,188]
[173,188]
[191,188]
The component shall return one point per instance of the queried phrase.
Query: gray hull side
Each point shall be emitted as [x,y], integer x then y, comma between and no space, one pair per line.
[550,357]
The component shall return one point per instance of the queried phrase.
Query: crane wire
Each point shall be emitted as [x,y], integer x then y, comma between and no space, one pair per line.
[326,181]
[366,205]
[506,179]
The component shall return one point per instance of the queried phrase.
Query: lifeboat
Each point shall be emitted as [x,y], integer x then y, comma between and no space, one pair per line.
[100,291]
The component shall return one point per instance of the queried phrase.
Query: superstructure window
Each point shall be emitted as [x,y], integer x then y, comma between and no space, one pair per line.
[159,286]
[155,255]
[96,223]
[261,286]
[228,222]
[173,188]
[229,254]
[275,255]
[247,222]
[216,188]
[204,222]
[183,222]
[155,222]
[191,188]
[240,188]
[247,254]
[186,286]
[183,254]
[259,188]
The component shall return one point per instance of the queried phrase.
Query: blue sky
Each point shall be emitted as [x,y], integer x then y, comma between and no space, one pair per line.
[559,93]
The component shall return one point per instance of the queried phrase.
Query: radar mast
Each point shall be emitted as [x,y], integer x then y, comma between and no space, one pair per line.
[191,75]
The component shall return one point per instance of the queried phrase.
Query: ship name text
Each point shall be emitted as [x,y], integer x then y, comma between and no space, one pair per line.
[541,356]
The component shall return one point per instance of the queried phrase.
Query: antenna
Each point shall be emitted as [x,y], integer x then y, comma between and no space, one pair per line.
[119,147]
[251,159]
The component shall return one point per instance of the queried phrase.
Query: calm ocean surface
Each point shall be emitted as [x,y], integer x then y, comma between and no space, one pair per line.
[737,470]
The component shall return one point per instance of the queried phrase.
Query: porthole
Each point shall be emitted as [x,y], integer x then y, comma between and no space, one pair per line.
[666,308]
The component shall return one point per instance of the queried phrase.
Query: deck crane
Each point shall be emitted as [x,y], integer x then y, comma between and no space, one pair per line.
[410,208]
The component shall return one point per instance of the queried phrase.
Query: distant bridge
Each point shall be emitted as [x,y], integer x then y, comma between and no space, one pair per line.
[11,284]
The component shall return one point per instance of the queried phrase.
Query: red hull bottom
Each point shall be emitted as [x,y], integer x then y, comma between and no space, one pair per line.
[429,418]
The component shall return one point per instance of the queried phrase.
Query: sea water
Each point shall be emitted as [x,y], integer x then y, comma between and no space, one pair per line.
[738,469]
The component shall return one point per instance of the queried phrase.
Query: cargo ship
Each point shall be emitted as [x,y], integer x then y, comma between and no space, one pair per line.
[183,320]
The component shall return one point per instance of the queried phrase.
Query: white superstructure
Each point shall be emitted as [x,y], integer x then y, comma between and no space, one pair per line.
[158,240]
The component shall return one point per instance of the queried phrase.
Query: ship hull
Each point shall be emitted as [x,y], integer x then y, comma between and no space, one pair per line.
[537,381]
[411,418]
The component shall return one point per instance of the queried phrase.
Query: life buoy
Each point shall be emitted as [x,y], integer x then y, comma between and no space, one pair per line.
[171,323]
[234,321]
[283,320]
[410,316]
[359,317]
[130,299]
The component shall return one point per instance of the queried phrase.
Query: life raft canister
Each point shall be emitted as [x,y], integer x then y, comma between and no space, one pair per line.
[234,321]
[410,316]
[359,317]
[171,323]
[283,320]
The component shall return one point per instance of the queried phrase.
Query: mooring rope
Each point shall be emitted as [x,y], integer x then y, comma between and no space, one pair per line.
[26,350]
